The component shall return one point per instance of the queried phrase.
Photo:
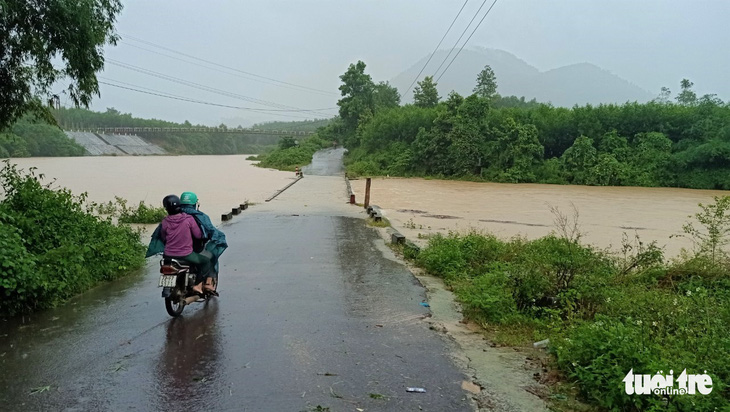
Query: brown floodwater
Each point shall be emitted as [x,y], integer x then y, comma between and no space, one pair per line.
[605,213]
[221,182]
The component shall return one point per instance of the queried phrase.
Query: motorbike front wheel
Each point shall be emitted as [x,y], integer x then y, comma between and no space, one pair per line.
[174,307]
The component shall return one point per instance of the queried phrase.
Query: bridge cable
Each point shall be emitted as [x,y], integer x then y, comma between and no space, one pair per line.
[194,101]
[158,93]
[418,76]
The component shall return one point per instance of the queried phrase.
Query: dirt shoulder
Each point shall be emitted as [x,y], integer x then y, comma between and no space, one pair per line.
[503,379]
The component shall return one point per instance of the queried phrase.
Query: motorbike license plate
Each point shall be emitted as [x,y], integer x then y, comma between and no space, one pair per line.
[168,281]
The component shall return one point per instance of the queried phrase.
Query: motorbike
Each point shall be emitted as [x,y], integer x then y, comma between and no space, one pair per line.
[177,278]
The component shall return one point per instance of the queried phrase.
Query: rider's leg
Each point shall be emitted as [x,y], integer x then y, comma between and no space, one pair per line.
[203,264]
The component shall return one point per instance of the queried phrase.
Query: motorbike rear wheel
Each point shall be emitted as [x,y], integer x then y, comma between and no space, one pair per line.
[174,307]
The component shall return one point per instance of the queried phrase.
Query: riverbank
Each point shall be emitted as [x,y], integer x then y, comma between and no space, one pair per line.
[425,207]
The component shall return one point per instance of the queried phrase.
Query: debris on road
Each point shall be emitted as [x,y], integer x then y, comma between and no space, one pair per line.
[416,390]
[425,304]
[471,387]
[541,344]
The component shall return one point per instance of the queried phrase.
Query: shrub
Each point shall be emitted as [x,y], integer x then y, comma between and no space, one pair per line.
[143,213]
[53,247]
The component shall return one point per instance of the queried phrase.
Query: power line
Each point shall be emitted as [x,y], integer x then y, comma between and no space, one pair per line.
[418,76]
[467,40]
[136,39]
[460,37]
[201,86]
[153,92]
[218,69]
[198,102]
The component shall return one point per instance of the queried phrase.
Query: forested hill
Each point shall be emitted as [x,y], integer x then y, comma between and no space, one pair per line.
[566,86]
[34,137]
[303,126]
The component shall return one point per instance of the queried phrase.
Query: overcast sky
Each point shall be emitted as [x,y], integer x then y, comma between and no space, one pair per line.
[651,43]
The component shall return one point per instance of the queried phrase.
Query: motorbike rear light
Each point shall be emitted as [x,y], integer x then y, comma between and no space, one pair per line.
[168,270]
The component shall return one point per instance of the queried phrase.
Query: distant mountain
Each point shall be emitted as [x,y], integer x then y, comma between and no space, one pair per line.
[565,86]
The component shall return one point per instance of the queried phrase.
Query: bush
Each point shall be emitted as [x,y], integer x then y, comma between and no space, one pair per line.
[53,247]
[143,213]
[603,315]
[290,157]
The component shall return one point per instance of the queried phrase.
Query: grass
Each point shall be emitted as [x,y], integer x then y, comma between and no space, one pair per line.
[383,223]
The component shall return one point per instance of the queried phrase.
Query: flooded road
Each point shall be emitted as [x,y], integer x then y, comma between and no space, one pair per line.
[313,312]
[605,213]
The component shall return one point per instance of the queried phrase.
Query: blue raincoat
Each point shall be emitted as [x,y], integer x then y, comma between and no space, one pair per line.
[215,240]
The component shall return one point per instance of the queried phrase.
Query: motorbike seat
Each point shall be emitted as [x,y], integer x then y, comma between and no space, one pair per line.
[178,263]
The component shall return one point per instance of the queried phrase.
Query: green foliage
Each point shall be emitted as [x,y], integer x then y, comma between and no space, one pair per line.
[32,137]
[603,314]
[713,234]
[37,49]
[53,247]
[287,142]
[289,158]
[425,94]
[357,95]
[295,126]
[143,213]
[486,87]
[506,139]
[198,143]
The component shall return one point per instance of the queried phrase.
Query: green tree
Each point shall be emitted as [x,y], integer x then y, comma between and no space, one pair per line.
[579,159]
[385,96]
[287,142]
[43,42]
[486,83]
[425,94]
[687,96]
[357,95]
[664,96]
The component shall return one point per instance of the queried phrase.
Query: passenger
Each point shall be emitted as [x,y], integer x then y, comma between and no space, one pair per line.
[177,232]
[213,241]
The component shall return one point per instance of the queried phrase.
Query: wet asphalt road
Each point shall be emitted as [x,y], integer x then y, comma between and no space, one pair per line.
[313,313]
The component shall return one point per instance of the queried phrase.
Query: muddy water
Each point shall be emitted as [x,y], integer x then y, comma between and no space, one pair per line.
[605,213]
[220,182]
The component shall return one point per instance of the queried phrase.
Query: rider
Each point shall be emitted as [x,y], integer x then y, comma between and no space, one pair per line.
[178,231]
[213,241]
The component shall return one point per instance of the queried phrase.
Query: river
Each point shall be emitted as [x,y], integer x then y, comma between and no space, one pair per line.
[605,214]
[415,206]
[221,182]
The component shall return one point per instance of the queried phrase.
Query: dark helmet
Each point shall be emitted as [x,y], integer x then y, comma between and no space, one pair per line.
[171,203]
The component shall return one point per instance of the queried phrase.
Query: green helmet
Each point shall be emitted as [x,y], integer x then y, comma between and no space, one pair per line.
[188,198]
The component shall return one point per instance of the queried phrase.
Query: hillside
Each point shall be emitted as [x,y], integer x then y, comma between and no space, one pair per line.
[564,86]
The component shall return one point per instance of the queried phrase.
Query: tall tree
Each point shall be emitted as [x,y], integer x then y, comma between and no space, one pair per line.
[425,94]
[486,83]
[385,96]
[357,95]
[664,96]
[43,42]
[687,96]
